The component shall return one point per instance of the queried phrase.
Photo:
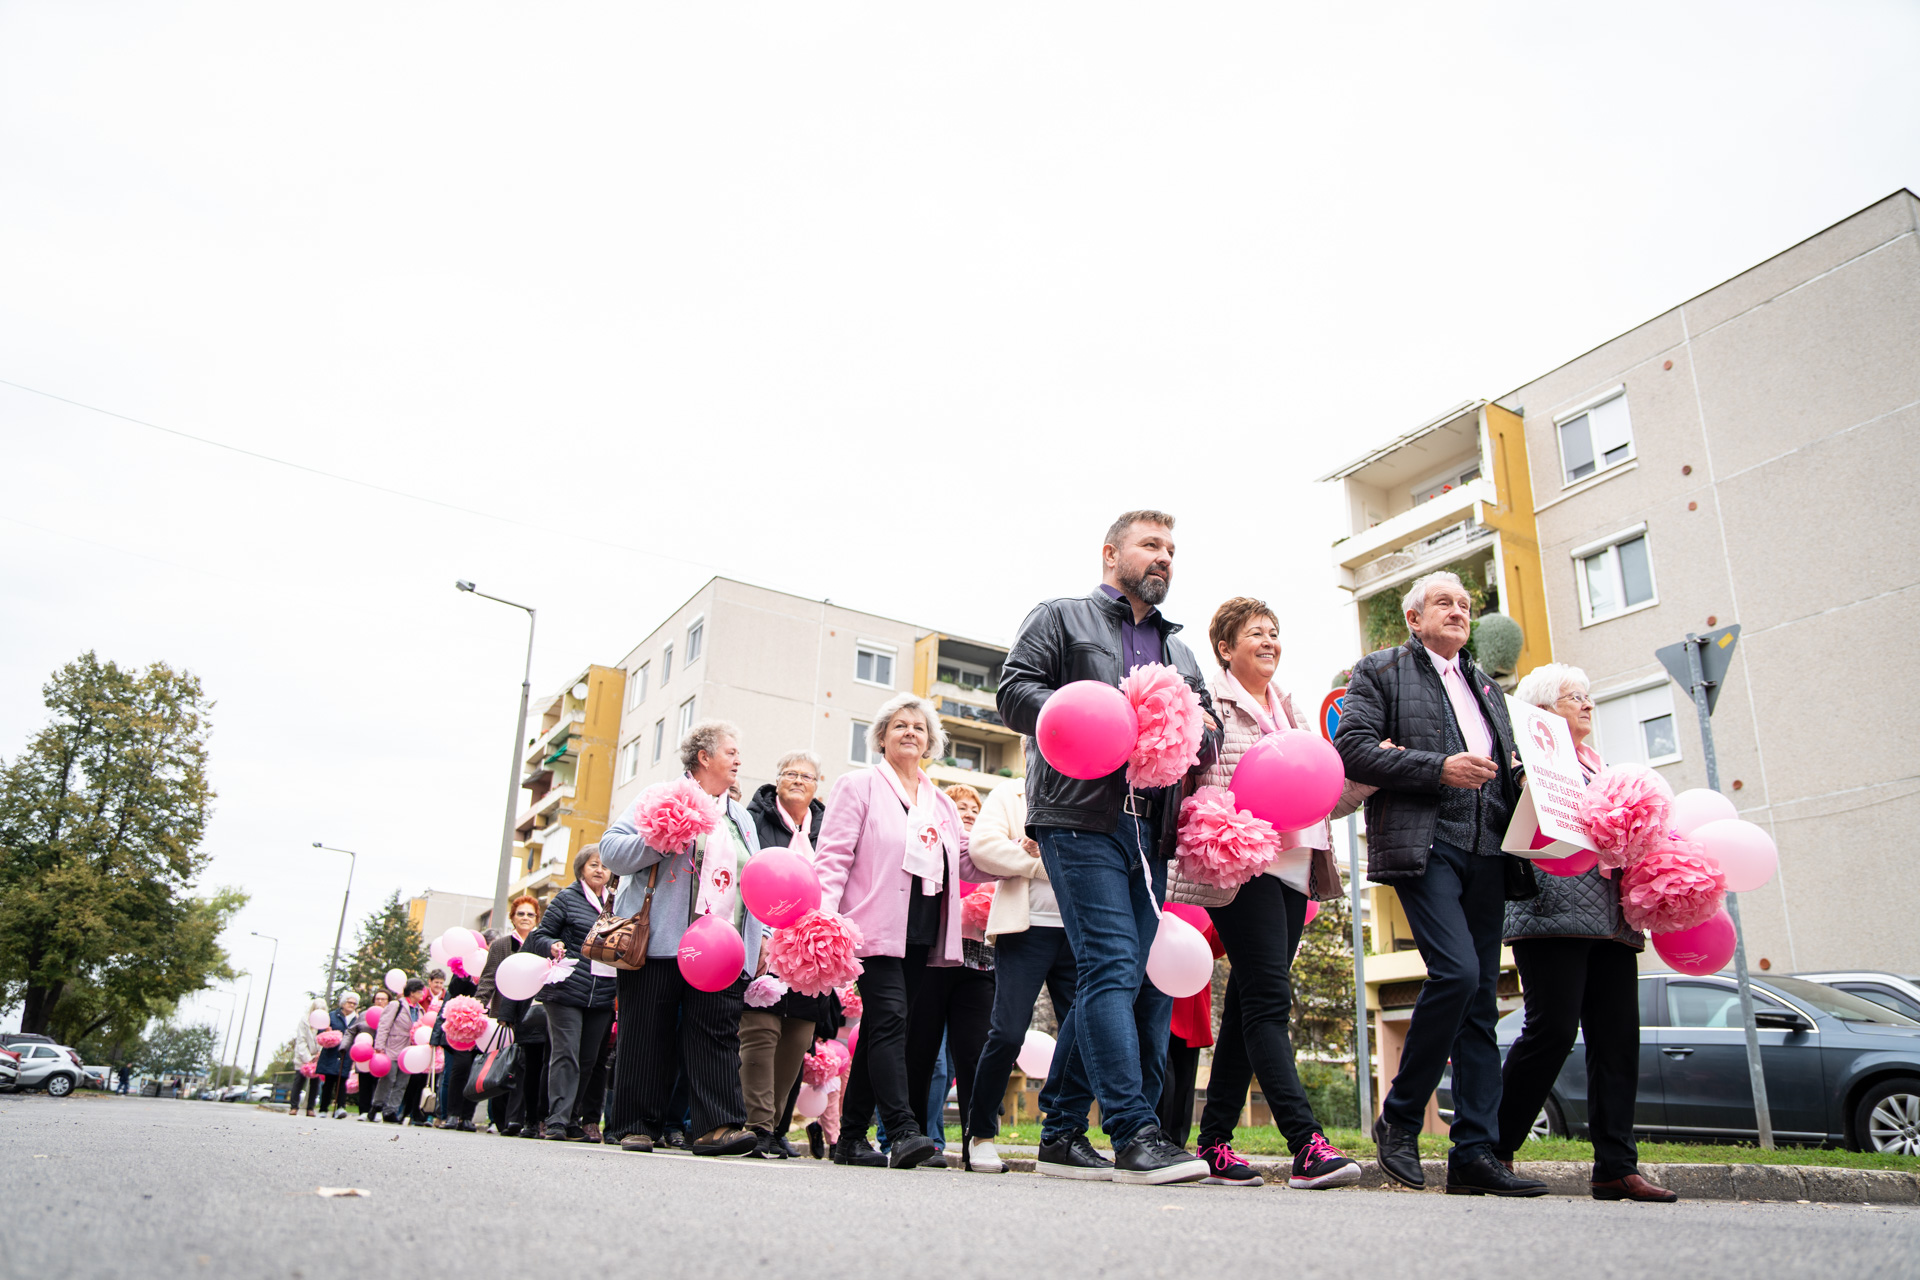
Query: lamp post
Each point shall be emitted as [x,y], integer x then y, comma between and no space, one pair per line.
[226,1040]
[264,994]
[334,964]
[513,778]
[241,1039]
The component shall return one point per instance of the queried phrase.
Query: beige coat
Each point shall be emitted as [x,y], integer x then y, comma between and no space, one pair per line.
[996,848]
[1306,862]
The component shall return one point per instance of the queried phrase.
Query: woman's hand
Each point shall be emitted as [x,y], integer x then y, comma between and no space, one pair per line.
[558,952]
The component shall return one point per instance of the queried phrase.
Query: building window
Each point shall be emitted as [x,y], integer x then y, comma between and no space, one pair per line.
[1615,576]
[1596,438]
[686,717]
[696,636]
[1638,727]
[630,760]
[871,666]
[971,755]
[659,739]
[857,749]
[637,685]
[666,665]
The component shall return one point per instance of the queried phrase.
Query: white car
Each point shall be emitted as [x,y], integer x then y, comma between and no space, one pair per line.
[52,1067]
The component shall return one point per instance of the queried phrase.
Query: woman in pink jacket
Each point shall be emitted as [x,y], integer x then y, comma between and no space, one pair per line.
[890,857]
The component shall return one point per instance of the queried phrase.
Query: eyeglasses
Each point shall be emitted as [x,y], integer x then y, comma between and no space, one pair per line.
[792,775]
[1577,699]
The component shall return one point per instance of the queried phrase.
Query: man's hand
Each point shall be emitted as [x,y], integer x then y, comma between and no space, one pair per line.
[1468,771]
[1207,715]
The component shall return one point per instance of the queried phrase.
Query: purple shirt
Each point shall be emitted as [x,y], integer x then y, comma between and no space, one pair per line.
[1139,641]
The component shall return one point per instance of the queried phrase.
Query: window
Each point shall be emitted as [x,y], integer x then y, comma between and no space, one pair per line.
[1695,1004]
[666,665]
[696,636]
[659,739]
[629,760]
[637,685]
[857,749]
[971,755]
[686,717]
[1638,727]
[1596,438]
[871,666]
[1446,484]
[1614,576]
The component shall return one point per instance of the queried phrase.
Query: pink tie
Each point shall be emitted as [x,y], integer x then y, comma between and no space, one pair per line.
[1473,725]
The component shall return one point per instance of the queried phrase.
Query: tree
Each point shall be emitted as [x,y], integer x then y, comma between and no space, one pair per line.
[387,939]
[101,818]
[173,1050]
[1323,984]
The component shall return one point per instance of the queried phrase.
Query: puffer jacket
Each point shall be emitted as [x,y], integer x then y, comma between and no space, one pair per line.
[1078,638]
[1396,694]
[567,920]
[1306,860]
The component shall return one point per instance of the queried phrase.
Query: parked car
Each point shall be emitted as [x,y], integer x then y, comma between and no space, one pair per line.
[14,1039]
[52,1067]
[9,1069]
[1841,1070]
[1899,992]
[97,1077]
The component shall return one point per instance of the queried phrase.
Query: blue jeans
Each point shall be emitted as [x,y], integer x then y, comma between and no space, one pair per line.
[1021,963]
[1457,910]
[1116,1032]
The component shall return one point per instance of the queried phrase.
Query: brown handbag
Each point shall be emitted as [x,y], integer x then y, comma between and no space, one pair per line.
[621,941]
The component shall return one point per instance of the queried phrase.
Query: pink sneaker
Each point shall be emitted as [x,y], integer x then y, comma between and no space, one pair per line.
[1225,1168]
[1321,1164]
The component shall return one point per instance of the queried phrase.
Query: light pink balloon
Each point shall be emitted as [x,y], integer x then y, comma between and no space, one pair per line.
[1195,916]
[521,975]
[1292,779]
[712,953]
[811,1102]
[428,1017]
[1697,807]
[379,1064]
[1744,851]
[1036,1054]
[779,886]
[396,981]
[416,1059]
[318,1020]
[479,941]
[1703,949]
[363,1038]
[422,1034]
[437,952]
[1086,729]
[476,963]
[1181,962]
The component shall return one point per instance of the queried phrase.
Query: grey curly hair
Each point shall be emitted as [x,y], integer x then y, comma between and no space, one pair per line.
[706,737]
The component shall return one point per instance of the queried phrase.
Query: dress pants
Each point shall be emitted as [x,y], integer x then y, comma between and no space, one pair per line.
[879,1076]
[1176,1097]
[1457,910]
[576,1039]
[665,1021]
[771,1051]
[526,1102]
[1261,930]
[1583,984]
[954,1004]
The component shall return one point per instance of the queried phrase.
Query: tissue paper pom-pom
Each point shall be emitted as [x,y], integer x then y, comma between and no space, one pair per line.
[974,908]
[328,1039]
[818,1068]
[1625,810]
[457,965]
[1169,713]
[837,1051]
[815,953]
[465,1021]
[851,1005]
[1672,886]
[1220,845]
[764,992]
[669,815]
[307,1069]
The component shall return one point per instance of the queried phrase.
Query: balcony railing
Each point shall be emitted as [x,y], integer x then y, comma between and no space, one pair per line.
[969,711]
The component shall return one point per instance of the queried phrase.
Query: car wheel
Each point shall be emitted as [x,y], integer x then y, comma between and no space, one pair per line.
[1550,1123]
[60,1086]
[1888,1118]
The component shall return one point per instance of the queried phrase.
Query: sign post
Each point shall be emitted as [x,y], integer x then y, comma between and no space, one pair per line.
[1699,664]
[1362,1059]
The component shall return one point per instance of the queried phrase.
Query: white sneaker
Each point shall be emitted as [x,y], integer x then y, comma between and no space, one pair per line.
[982,1158]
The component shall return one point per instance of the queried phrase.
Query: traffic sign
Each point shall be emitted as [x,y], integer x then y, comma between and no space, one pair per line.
[1330,708]
[1716,654]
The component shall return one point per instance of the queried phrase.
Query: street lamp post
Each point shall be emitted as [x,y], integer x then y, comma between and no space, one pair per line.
[241,1039]
[265,992]
[226,1041]
[334,964]
[513,779]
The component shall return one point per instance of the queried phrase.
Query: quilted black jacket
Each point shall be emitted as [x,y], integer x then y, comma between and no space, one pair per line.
[567,919]
[1582,906]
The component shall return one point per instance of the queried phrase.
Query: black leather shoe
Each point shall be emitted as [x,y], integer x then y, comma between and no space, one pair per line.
[816,1141]
[1073,1158]
[676,1138]
[1483,1175]
[915,1148]
[854,1149]
[1398,1154]
[1151,1159]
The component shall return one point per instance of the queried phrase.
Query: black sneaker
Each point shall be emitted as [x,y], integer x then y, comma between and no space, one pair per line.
[1225,1168]
[1151,1160]
[1073,1157]
[1321,1164]
[855,1150]
[913,1149]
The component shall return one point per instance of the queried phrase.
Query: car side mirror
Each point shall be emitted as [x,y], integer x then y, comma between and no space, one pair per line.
[1780,1020]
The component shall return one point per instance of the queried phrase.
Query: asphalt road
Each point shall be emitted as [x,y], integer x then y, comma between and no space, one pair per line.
[99,1187]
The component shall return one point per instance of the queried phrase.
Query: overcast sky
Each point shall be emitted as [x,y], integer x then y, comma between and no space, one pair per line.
[890,304]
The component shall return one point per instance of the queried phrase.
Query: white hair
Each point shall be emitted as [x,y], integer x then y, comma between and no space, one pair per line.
[877,734]
[800,757]
[1549,682]
[1416,598]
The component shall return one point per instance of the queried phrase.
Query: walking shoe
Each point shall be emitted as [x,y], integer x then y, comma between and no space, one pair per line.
[340,1114]
[727,1140]
[590,1133]
[1633,1187]
[1482,1175]
[1073,1157]
[913,1149]
[511,1131]
[980,1157]
[537,1129]
[1151,1160]
[558,1135]
[641,1142]
[1225,1168]
[768,1147]
[294,1110]
[468,1126]
[854,1149]
[786,1148]
[816,1141]
[1321,1164]
[574,1133]
[1397,1152]
[677,1139]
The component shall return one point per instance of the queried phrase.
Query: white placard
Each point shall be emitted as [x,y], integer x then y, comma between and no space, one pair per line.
[1546,823]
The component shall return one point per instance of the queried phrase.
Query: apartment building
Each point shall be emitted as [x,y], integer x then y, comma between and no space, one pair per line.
[567,775]
[437,910]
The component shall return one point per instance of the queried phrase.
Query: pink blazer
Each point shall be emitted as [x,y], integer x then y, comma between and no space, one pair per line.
[858,858]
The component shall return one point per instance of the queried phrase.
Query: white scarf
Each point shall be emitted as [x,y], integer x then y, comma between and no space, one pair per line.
[600,907]
[924,853]
[720,859]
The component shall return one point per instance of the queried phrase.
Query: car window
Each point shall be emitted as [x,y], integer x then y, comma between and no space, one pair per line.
[1839,1004]
[1883,997]
[1695,1004]
[42,1051]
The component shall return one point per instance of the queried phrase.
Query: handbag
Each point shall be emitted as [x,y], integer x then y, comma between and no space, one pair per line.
[494,1072]
[621,941]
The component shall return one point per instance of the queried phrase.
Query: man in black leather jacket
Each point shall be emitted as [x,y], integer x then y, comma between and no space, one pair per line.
[1105,848]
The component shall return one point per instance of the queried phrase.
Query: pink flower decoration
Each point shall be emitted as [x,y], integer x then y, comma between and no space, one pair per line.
[851,1005]
[458,965]
[1672,886]
[815,953]
[464,1020]
[817,1068]
[669,815]
[974,908]
[764,992]
[1220,845]
[1625,810]
[1170,726]
[328,1039]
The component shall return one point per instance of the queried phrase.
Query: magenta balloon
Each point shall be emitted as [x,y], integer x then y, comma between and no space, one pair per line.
[1313,909]
[1703,949]
[779,886]
[711,954]
[1292,779]
[379,1064]
[1744,851]
[1087,729]
[372,1015]
[1695,808]
[1574,864]
[361,1053]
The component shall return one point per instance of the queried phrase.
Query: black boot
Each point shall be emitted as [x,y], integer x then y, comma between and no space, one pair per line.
[816,1141]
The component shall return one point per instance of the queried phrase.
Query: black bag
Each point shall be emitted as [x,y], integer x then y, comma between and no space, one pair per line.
[493,1072]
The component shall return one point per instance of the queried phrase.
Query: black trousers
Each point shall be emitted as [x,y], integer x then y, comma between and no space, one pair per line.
[576,1042]
[1260,929]
[368,1083]
[526,1103]
[1176,1096]
[665,1021]
[879,1077]
[956,1004]
[308,1085]
[1577,984]
[453,1084]
[332,1092]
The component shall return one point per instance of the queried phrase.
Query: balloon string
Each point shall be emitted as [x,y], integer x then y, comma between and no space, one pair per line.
[1146,871]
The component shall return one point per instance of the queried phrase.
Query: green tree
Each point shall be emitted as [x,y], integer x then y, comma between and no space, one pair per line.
[387,939]
[171,1049]
[101,818]
[1323,984]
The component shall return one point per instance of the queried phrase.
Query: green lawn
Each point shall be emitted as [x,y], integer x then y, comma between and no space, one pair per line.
[1265,1140]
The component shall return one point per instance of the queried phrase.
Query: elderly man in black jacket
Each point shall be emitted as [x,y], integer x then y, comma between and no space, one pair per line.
[1427,727]
[1105,848]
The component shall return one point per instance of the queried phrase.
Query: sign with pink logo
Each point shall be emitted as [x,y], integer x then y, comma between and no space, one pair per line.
[1546,822]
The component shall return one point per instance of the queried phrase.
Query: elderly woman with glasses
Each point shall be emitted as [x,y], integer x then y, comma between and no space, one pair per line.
[1579,971]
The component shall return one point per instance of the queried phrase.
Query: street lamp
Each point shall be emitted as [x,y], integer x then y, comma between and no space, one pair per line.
[334,964]
[226,1041]
[264,993]
[513,779]
[241,1039]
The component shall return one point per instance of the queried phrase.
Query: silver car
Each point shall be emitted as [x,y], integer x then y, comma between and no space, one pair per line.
[52,1067]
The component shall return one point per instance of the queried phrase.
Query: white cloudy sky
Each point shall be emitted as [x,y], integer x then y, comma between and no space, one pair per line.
[891,304]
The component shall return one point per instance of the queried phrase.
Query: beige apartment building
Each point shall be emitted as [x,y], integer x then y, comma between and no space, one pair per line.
[567,767]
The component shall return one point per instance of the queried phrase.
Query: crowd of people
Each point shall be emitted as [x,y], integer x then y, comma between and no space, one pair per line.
[1073,875]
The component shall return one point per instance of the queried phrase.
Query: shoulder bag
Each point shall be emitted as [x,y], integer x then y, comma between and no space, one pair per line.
[493,1072]
[621,941]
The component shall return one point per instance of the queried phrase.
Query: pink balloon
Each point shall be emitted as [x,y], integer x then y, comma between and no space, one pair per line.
[1744,851]
[428,1017]
[379,1064]
[1575,864]
[372,1016]
[361,1053]
[396,981]
[318,1020]
[1697,807]
[1181,962]
[1087,729]
[711,953]
[779,886]
[421,1034]
[1036,1054]
[1313,909]
[476,964]
[521,975]
[1292,779]
[811,1102]
[1703,949]
[363,1038]
[416,1059]
[1195,916]
[437,952]
[853,1042]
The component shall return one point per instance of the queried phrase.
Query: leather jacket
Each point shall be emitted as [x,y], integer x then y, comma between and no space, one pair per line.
[1078,638]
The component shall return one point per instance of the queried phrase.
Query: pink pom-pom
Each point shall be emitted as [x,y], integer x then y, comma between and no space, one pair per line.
[465,1021]
[1672,886]
[328,1039]
[764,992]
[307,1069]
[817,1068]
[975,907]
[1220,845]
[1625,810]
[851,1005]
[457,966]
[815,953]
[669,815]
[1170,726]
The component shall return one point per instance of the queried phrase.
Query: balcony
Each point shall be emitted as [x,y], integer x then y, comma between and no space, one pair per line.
[946,775]
[1414,526]
[554,743]
[547,804]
